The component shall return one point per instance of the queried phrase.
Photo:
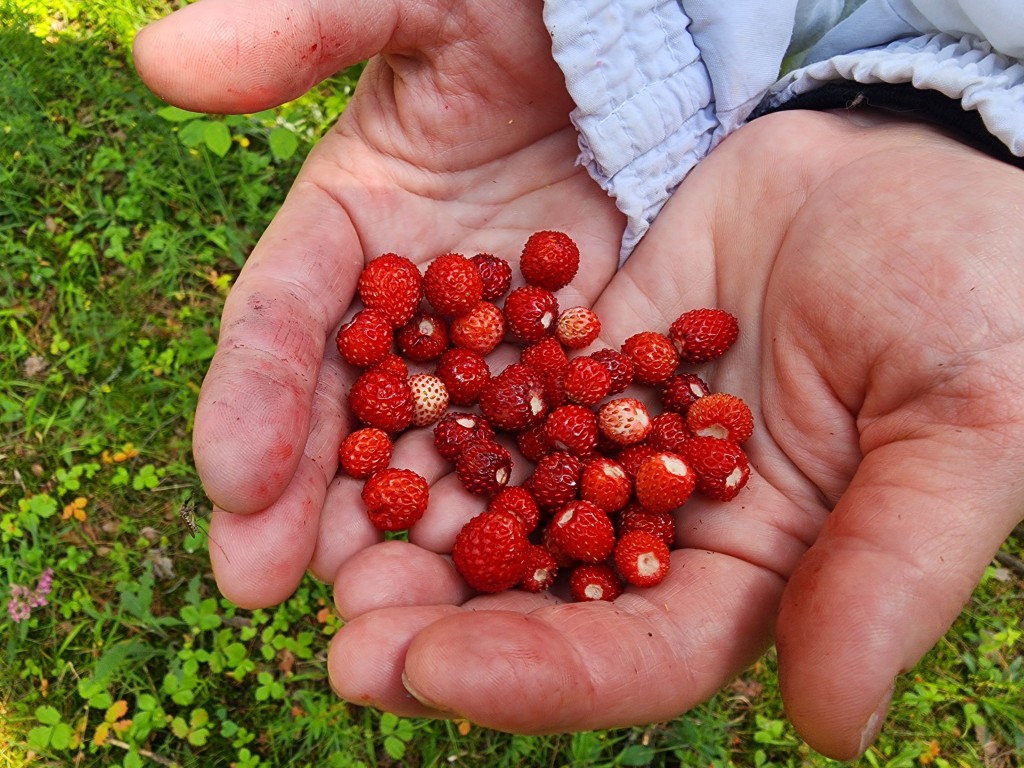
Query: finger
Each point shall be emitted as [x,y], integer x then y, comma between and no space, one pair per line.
[888,575]
[236,56]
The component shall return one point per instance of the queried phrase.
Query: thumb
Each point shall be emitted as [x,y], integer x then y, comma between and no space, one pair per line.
[888,575]
[236,56]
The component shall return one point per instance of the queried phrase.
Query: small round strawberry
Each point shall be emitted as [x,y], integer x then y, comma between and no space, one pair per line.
[429,399]
[395,498]
[496,274]
[452,284]
[555,480]
[592,581]
[549,260]
[514,399]
[364,452]
[533,443]
[483,467]
[642,558]
[481,329]
[682,390]
[541,569]
[636,518]
[583,531]
[393,364]
[572,428]
[546,356]
[620,368]
[653,356]
[664,481]
[520,502]
[577,327]
[605,483]
[381,399]
[456,430]
[425,337]
[632,456]
[624,421]
[531,312]
[464,373]
[721,466]
[721,415]
[366,339]
[701,335]
[393,285]
[668,432]
[490,552]
[587,381]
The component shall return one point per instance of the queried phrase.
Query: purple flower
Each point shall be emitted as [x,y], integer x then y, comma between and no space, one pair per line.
[23,599]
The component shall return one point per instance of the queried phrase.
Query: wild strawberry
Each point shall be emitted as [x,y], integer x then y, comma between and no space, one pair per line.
[395,364]
[531,312]
[366,339]
[620,368]
[425,337]
[721,466]
[721,415]
[583,530]
[636,518]
[393,285]
[483,467]
[464,374]
[668,432]
[572,428]
[642,558]
[429,399]
[514,399]
[496,274]
[594,581]
[481,329]
[546,356]
[452,284]
[554,389]
[577,327]
[549,260]
[632,456]
[555,480]
[364,452]
[701,335]
[586,381]
[664,481]
[605,483]
[520,502]
[395,498]
[653,356]
[533,443]
[624,421]
[456,430]
[490,552]
[682,390]
[541,569]
[381,399]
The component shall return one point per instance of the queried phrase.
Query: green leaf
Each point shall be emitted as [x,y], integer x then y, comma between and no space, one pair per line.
[39,738]
[62,736]
[47,715]
[192,134]
[283,143]
[635,754]
[176,115]
[395,747]
[217,138]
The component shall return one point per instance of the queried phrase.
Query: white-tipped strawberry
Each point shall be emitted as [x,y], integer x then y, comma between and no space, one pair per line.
[577,327]
[721,466]
[430,399]
[721,415]
[624,421]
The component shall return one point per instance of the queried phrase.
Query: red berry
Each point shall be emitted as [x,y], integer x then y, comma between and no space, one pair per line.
[481,329]
[549,260]
[464,374]
[594,582]
[624,421]
[572,428]
[642,558]
[721,466]
[605,483]
[583,531]
[496,274]
[701,335]
[531,312]
[395,499]
[393,285]
[681,391]
[587,381]
[483,467]
[514,399]
[541,569]
[381,399]
[577,327]
[393,364]
[452,284]
[668,432]
[364,452]
[653,356]
[456,430]
[721,415]
[429,399]
[664,481]
[556,480]
[520,502]
[632,456]
[546,356]
[491,551]
[636,518]
[424,337]
[620,368]
[533,442]
[366,339]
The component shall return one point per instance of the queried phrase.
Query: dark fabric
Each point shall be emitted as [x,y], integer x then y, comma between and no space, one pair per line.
[904,98]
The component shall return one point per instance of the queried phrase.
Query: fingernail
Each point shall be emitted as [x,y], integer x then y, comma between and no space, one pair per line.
[418,696]
[871,728]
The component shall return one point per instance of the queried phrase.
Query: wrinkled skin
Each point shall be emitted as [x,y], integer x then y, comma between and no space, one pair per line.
[875,269]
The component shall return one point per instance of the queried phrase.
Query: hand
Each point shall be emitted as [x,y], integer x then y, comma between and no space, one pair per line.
[457,138]
[875,269]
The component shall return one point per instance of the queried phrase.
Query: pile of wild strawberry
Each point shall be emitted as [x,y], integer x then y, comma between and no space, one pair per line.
[607,472]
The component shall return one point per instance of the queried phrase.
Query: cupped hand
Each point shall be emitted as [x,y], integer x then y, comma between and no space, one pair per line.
[456,139]
[875,269]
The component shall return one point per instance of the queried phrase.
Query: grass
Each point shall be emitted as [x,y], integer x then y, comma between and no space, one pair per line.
[122,224]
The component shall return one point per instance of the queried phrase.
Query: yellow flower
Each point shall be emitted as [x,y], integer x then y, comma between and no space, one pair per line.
[75,509]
